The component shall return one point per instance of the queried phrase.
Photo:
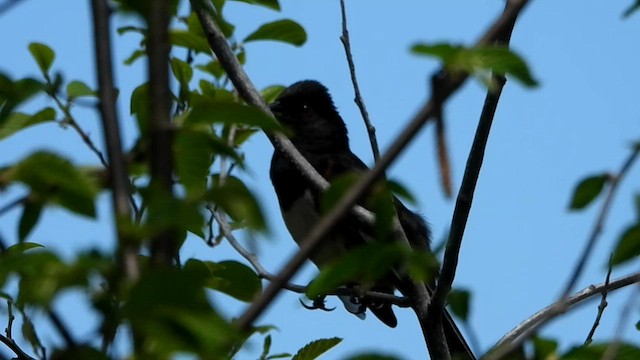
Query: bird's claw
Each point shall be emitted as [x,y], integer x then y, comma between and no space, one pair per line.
[318,304]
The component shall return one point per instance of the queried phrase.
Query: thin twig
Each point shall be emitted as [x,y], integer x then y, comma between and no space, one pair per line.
[371,130]
[62,328]
[14,203]
[625,315]
[11,344]
[509,341]
[467,188]
[601,306]
[7,5]
[602,216]
[164,245]
[247,91]
[265,274]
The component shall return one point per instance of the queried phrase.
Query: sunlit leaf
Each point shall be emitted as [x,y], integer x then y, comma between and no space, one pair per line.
[588,190]
[189,40]
[20,121]
[500,60]
[78,88]
[286,30]
[545,349]
[314,349]
[55,178]
[625,351]
[271,4]
[43,55]
[271,93]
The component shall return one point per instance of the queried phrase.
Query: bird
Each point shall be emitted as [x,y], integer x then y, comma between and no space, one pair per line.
[319,133]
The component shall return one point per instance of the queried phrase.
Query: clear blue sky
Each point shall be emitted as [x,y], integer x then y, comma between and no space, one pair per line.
[521,242]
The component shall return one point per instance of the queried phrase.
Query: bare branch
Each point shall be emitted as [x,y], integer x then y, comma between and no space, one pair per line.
[11,344]
[529,326]
[625,315]
[602,216]
[371,130]
[164,245]
[13,204]
[471,174]
[601,306]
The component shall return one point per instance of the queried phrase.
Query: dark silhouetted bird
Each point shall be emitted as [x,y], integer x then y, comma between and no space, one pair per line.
[320,134]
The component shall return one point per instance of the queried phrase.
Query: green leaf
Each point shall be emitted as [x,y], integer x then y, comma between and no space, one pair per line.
[165,213]
[21,247]
[628,246]
[193,158]
[459,301]
[314,349]
[189,40]
[78,88]
[14,93]
[545,349]
[210,111]
[20,121]
[182,71]
[30,334]
[271,4]
[43,55]
[230,277]
[401,191]
[596,352]
[588,190]
[54,178]
[29,218]
[139,107]
[237,201]
[137,54]
[271,93]
[285,30]
[498,59]
[366,264]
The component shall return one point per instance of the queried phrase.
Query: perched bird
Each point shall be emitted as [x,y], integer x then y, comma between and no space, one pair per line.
[320,134]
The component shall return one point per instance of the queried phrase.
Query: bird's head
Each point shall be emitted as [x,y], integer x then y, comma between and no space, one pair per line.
[307,109]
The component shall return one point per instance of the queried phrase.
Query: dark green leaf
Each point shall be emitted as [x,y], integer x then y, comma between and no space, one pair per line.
[182,71]
[628,246]
[140,106]
[266,347]
[474,60]
[43,55]
[193,158]
[131,29]
[19,121]
[165,213]
[19,248]
[636,202]
[52,177]
[13,93]
[459,301]
[285,30]
[596,352]
[237,201]
[170,308]
[29,218]
[137,54]
[213,67]
[401,191]
[78,88]
[209,111]
[544,349]
[587,190]
[366,264]
[316,348]
[230,277]
[271,4]
[189,40]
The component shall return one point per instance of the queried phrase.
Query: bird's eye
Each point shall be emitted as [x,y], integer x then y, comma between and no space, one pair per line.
[306,107]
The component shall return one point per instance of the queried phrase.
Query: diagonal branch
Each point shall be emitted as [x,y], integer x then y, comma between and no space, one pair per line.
[371,130]
[246,90]
[470,178]
[549,312]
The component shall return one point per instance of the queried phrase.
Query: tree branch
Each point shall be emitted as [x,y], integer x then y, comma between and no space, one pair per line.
[250,95]
[514,337]
[602,216]
[603,305]
[164,244]
[15,348]
[371,130]
[469,181]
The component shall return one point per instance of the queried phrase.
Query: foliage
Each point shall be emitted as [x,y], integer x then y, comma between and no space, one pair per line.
[170,309]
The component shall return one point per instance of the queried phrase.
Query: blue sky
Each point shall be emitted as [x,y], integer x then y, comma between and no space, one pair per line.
[521,242]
